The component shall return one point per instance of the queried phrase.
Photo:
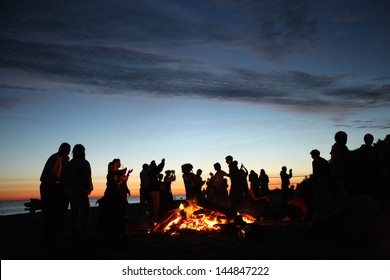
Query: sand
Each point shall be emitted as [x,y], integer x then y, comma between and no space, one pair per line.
[276,240]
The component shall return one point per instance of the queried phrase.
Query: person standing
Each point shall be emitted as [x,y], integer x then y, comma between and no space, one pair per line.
[123,176]
[77,176]
[113,205]
[144,196]
[244,183]
[236,188]
[264,181]
[322,180]
[368,162]
[166,202]
[198,185]
[189,181]
[53,195]
[154,187]
[220,186]
[285,185]
[341,162]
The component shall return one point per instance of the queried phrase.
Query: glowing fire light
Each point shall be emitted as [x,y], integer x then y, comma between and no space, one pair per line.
[195,217]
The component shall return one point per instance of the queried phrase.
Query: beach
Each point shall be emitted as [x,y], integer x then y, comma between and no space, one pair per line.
[268,240]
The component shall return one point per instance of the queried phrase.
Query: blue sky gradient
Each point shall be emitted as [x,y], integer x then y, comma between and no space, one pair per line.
[264,81]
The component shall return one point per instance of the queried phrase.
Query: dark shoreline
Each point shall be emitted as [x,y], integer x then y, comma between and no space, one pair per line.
[21,239]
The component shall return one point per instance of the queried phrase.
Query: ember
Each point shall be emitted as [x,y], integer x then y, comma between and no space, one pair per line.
[197,218]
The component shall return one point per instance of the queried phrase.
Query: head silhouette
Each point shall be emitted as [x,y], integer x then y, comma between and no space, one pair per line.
[368,139]
[217,166]
[64,149]
[315,154]
[229,159]
[78,151]
[341,137]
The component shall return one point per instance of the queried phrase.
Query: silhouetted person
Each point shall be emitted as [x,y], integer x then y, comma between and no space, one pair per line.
[154,186]
[297,208]
[54,197]
[123,176]
[385,159]
[385,172]
[341,163]
[254,181]
[189,181]
[166,197]
[285,185]
[257,200]
[320,168]
[77,176]
[264,181]
[198,184]
[322,181]
[244,183]
[368,163]
[210,188]
[112,206]
[236,188]
[161,208]
[144,196]
[220,186]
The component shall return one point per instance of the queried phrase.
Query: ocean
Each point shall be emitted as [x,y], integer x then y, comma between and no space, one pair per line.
[14,207]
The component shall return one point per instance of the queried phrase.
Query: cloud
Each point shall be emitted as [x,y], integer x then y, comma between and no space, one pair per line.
[360,124]
[7,103]
[144,47]
[280,28]
[348,18]
[283,27]
[120,71]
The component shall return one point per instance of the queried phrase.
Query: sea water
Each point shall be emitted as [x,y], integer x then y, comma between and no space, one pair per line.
[13,207]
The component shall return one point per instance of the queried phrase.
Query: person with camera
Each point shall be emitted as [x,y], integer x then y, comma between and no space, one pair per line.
[166,193]
[285,185]
[154,187]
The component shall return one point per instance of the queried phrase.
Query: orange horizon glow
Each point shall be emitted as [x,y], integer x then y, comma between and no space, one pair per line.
[25,190]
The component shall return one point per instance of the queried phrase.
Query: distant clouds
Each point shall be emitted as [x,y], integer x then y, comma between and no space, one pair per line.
[147,47]
[282,27]
[367,125]
[7,102]
[348,18]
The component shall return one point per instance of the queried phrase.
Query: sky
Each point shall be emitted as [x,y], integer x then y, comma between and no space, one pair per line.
[189,81]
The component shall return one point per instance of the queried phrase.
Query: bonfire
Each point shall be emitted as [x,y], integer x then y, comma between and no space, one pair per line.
[197,218]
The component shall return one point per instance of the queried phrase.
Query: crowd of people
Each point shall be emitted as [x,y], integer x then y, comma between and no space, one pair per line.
[348,195]
[361,176]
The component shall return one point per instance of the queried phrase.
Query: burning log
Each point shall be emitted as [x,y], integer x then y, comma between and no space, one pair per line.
[197,218]
[172,218]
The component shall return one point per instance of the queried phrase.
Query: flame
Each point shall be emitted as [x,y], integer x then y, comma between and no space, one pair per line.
[195,217]
[247,218]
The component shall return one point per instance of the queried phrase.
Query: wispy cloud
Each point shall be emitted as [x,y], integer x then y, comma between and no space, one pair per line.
[367,125]
[346,17]
[130,47]
[283,27]
[7,103]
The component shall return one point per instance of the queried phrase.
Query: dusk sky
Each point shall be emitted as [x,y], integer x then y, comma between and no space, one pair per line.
[189,81]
